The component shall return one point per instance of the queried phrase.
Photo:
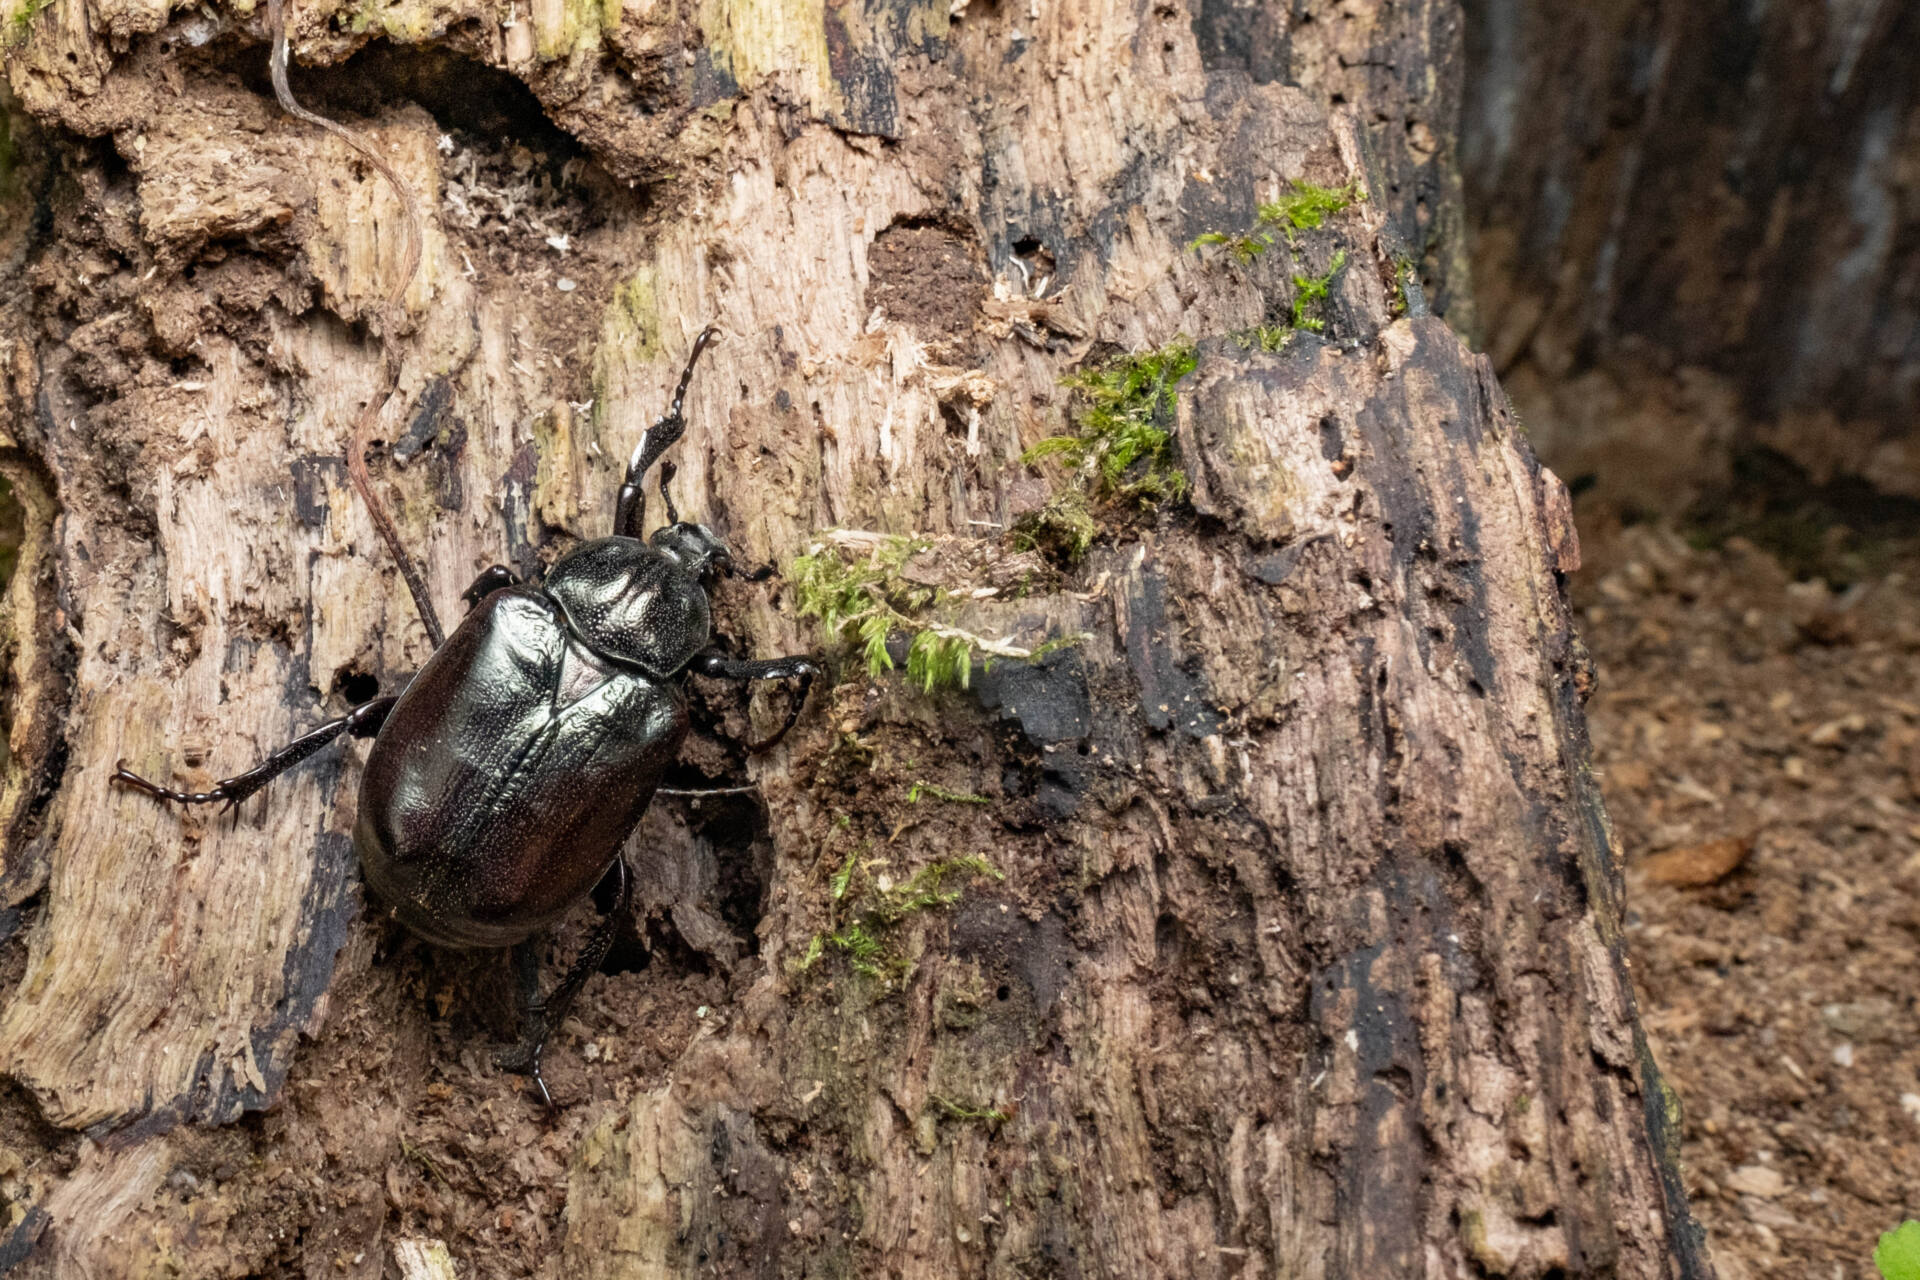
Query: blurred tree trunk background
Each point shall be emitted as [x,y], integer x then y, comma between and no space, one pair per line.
[1697,245]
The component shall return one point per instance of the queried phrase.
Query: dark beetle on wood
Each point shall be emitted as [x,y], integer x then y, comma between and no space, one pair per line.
[506,777]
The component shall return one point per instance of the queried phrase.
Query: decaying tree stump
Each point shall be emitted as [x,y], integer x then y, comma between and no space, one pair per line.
[1269,926]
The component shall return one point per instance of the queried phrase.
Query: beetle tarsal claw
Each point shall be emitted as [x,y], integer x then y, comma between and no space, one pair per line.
[542,1082]
[523,1059]
[125,777]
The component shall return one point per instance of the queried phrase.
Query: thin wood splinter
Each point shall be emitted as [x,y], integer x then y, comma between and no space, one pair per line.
[392,308]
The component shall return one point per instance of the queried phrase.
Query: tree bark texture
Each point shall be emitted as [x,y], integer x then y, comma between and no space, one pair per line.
[1306,957]
[1771,145]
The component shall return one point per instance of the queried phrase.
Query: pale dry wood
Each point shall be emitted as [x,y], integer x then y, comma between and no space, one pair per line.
[151,1029]
[420,1259]
[1314,967]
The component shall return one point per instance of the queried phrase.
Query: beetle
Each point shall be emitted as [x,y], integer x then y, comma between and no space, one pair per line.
[507,775]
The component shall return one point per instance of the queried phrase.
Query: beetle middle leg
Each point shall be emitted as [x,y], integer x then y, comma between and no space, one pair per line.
[720,667]
[491,579]
[362,722]
[543,1017]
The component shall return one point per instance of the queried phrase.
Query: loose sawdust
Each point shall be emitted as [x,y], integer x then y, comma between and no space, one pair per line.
[1782,994]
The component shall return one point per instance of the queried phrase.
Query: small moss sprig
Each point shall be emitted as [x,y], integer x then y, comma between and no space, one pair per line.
[1305,207]
[1310,294]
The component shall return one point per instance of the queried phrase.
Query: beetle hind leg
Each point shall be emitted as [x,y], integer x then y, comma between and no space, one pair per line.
[362,722]
[543,1017]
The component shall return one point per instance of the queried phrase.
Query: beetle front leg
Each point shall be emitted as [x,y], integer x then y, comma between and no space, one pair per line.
[543,1017]
[630,507]
[362,722]
[720,667]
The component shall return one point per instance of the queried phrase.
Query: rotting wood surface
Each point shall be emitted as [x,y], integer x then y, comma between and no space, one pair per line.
[1305,960]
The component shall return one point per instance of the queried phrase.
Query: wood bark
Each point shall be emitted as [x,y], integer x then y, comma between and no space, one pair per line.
[1306,960]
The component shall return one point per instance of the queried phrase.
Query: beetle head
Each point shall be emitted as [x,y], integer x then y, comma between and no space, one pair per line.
[698,549]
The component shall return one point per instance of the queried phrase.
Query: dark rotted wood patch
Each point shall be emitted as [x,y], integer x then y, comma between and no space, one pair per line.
[927,277]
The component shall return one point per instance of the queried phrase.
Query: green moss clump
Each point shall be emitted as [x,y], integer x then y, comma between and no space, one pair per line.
[937,660]
[866,909]
[927,888]
[864,601]
[1307,207]
[1122,445]
[841,592]
[1120,448]
[1309,300]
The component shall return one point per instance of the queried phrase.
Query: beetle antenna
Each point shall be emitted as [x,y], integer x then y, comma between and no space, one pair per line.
[667,472]
[409,267]
[630,508]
